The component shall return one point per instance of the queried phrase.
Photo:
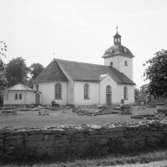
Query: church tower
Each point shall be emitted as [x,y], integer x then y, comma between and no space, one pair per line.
[120,57]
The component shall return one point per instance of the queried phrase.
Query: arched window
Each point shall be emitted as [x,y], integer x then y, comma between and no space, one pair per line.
[16,96]
[86,91]
[125,93]
[58,91]
[115,40]
[126,63]
[108,95]
[111,63]
[20,96]
[108,89]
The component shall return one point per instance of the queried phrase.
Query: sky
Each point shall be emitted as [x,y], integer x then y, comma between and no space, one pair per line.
[81,30]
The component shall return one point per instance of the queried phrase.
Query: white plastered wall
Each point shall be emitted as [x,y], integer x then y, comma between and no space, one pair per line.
[47,90]
[28,97]
[119,64]
[79,93]
[131,93]
[116,92]
[70,92]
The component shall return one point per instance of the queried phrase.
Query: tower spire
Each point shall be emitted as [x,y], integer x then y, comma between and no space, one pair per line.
[117,37]
[116,29]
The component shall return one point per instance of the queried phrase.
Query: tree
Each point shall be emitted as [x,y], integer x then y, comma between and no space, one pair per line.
[16,71]
[156,73]
[3,81]
[3,50]
[35,70]
[136,94]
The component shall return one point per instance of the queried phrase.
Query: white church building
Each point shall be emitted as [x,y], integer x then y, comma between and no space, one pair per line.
[78,83]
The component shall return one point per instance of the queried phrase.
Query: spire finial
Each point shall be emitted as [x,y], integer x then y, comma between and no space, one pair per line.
[116,29]
[54,53]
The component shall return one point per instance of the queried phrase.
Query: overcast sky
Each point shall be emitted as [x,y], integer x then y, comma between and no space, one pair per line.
[81,30]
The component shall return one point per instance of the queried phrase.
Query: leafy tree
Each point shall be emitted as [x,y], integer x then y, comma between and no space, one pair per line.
[3,50]
[3,81]
[156,73]
[36,69]
[136,94]
[16,71]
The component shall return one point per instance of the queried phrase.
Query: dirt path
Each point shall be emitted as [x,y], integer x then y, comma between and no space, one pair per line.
[151,164]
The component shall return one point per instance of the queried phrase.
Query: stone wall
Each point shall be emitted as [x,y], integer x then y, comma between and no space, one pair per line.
[68,143]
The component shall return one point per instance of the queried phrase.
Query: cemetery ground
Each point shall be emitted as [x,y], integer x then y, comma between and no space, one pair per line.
[65,116]
[44,118]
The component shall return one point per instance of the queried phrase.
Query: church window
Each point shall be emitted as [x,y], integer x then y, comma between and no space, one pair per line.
[125,93]
[86,91]
[115,40]
[16,96]
[58,91]
[108,95]
[126,63]
[108,89]
[20,96]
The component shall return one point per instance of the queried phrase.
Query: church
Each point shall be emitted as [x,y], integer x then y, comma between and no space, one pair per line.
[78,83]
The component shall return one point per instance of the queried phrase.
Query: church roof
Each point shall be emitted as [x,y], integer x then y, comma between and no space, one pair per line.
[117,50]
[51,73]
[78,71]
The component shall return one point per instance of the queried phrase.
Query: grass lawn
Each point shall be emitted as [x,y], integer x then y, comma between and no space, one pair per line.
[64,117]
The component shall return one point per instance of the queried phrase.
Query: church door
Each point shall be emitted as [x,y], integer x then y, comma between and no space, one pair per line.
[37,98]
[108,95]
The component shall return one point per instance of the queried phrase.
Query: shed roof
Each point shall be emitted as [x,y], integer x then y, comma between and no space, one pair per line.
[20,87]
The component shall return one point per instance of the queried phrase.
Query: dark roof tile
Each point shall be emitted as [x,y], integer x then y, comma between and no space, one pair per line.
[118,50]
[77,71]
[51,73]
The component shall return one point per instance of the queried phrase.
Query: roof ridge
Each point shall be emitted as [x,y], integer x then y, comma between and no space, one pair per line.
[80,62]
[89,64]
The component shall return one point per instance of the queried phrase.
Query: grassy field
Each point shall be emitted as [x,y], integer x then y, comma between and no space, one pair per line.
[64,117]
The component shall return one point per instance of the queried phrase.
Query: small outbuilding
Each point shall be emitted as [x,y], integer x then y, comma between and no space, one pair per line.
[20,94]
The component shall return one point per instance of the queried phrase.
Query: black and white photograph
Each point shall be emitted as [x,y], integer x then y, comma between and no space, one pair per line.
[83,83]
